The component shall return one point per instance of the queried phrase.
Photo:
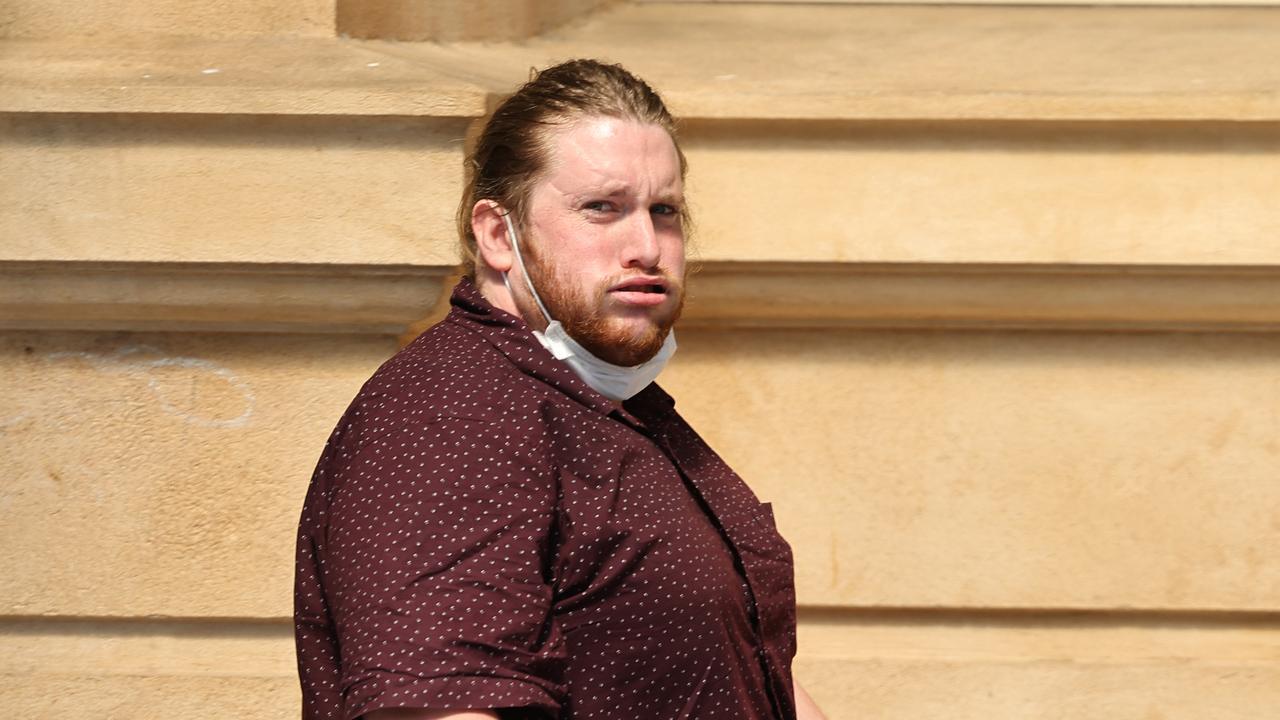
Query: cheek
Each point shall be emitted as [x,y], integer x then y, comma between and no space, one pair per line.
[566,241]
[673,253]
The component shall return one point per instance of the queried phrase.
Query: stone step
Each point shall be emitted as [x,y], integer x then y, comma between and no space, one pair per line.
[257,75]
[140,18]
[887,666]
[383,191]
[795,62]
[1065,135]
[1067,146]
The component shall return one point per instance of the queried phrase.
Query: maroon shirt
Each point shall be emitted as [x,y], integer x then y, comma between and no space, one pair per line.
[485,531]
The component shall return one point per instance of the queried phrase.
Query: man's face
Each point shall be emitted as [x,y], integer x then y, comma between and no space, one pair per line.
[604,240]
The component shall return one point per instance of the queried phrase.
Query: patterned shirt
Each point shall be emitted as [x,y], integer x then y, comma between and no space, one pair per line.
[484,530]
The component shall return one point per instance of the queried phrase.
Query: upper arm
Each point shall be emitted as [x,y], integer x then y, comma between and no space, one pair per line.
[433,563]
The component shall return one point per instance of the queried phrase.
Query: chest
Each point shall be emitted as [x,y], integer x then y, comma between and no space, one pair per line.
[633,522]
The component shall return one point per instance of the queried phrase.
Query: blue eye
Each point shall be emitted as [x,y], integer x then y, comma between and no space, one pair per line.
[663,209]
[598,206]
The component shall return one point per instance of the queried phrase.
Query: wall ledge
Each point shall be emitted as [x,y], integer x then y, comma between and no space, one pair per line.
[985,296]
[231,297]
[395,299]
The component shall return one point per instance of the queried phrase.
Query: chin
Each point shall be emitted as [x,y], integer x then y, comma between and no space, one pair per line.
[625,336]
[629,346]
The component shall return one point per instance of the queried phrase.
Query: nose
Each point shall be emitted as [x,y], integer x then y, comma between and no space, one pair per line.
[640,249]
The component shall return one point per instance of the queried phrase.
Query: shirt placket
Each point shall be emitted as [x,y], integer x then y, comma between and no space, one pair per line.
[778,697]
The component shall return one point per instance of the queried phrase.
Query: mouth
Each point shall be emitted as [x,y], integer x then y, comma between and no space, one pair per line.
[641,291]
[642,284]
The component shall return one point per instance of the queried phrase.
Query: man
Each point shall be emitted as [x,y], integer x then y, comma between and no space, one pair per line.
[511,520]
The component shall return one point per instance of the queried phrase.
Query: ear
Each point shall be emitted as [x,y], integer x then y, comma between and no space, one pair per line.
[492,243]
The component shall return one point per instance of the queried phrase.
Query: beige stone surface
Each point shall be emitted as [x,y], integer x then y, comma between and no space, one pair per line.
[71,18]
[156,697]
[1061,689]
[889,61]
[221,297]
[261,75]
[912,469]
[987,523]
[452,20]
[167,188]
[974,193]
[1204,639]
[964,2]
[928,665]
[744,62]
[229,189]
[223,648]
[403,300]
[977,296]
[154,475]
[1031,665]
[1017,470]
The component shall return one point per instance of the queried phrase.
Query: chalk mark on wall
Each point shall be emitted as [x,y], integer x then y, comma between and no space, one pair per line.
[142,362]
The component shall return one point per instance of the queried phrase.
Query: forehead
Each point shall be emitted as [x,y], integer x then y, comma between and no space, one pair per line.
[603,153]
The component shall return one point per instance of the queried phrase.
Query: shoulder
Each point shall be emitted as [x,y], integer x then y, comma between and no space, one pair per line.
[447,373]
[407,451]
[448,388]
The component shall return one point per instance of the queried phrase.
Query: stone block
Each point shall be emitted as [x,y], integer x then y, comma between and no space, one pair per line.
[54,696]
[235,188]
[1057,688]
[455,20]
[1004,469]
[925,666]
[67,18]
[163,474]
[1070,665]
[986,193]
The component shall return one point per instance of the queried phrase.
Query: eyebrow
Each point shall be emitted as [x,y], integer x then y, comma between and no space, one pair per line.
[615,189]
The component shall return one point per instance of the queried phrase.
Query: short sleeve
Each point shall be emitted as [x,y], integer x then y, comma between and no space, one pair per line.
[435,566]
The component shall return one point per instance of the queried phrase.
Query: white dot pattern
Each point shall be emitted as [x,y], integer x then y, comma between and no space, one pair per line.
[485,531]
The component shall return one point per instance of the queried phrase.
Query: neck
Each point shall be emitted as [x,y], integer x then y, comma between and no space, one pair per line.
[489,283]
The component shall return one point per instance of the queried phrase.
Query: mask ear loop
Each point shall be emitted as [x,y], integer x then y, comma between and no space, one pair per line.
[515,245]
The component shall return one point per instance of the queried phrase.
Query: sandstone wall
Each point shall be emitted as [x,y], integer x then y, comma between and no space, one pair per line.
[987,306]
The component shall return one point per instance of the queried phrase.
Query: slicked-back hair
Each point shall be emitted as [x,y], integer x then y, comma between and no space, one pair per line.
[514,148]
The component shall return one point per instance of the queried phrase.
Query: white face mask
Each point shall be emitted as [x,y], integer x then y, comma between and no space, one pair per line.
[613,381]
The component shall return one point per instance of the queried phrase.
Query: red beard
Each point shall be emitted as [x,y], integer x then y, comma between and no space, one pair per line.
[583,314]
